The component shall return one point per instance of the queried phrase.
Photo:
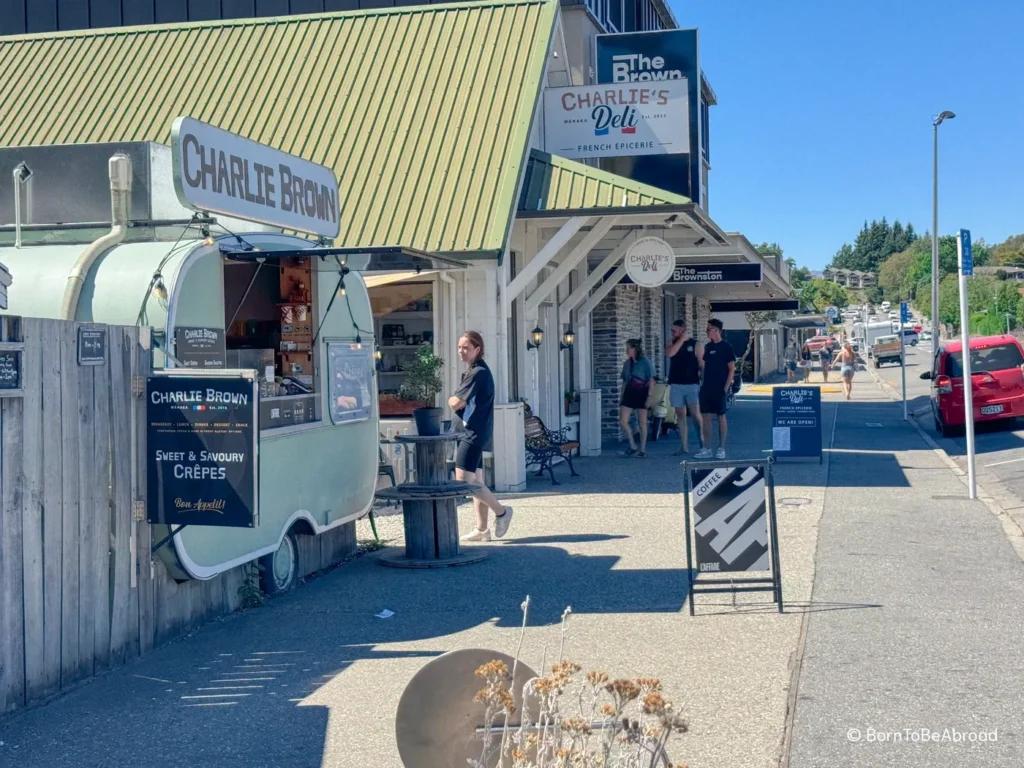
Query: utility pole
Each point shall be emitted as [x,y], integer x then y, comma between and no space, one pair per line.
[946,115]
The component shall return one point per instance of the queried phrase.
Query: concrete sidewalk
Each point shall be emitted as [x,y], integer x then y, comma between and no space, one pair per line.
[915,621]
[929,611]
[314,678]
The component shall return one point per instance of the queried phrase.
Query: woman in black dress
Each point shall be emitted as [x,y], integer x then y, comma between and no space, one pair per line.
[474,404]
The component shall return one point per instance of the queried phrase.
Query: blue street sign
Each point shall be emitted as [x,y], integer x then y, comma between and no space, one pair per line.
[904,312]
[966,256]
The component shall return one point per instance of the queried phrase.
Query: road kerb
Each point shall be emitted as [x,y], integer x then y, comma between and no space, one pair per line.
[805,620]
[1011,527]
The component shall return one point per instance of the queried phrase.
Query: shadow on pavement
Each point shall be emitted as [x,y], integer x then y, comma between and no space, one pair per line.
[764,607]
[570,538]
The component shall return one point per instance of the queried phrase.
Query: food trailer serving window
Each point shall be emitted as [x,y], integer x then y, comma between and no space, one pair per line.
[270,313]
[350,372]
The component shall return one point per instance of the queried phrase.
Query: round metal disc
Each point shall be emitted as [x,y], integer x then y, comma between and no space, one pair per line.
[437,718]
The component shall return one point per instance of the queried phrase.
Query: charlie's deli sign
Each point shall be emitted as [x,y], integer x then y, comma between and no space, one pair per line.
[617,120]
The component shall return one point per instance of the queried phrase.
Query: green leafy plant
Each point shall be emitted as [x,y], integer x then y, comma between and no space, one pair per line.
[250,592]
[422,377]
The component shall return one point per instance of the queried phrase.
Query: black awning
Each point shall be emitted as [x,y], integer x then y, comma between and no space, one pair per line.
[756,305]
[381,258]
[804,321]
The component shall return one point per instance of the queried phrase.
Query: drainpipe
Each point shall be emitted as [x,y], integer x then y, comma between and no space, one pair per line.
[120,171]
[452,334]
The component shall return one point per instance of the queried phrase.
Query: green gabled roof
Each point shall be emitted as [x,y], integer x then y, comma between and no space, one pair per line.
[423,112]
[555,184]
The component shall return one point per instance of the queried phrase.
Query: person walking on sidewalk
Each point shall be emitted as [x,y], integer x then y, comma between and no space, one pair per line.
[719,369]
[847,365]
[473,402]
[805,361]
[791,355]
[825,357]
[686,357]
[637,382]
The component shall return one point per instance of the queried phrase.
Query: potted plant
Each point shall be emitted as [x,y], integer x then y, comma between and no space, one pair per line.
[422,384]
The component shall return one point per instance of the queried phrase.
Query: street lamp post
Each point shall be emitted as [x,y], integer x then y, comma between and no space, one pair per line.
[946,115]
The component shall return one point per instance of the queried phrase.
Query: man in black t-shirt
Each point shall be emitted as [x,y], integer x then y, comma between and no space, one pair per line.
[686,356]
[719,369]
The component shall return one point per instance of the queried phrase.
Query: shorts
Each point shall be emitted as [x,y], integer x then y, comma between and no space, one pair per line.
[634,398]
[847,372]
[682,395]
[713,400]
[469,456]
[791,366]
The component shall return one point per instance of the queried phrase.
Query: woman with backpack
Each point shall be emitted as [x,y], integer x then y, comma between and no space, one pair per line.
[637,382]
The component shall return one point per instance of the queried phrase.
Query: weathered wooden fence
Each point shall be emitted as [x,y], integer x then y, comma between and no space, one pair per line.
[79,591]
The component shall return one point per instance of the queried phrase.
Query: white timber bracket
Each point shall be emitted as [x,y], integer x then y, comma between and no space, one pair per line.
[574,257]
[600,293]
[592,279]
[544,255]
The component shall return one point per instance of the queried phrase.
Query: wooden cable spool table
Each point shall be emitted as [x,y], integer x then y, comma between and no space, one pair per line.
[429,508]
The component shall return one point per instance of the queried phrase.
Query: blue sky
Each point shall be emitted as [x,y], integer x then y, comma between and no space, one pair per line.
[824,116]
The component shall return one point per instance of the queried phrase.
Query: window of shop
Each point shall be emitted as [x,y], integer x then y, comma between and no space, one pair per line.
[403,318]
[269,316]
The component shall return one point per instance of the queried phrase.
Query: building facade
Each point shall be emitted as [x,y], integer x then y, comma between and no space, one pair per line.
[540,239]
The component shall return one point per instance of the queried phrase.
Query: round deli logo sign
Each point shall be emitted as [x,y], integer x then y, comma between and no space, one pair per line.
[650,262]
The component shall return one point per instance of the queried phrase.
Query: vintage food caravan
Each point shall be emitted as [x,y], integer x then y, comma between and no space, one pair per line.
[222,295]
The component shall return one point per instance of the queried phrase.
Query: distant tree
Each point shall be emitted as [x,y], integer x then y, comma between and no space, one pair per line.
[797,275]
[875,243]
[873,295]
[769,248]
[818,294]
[1010,252]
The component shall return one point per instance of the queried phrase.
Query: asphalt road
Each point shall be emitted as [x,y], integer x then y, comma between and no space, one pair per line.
[999,446]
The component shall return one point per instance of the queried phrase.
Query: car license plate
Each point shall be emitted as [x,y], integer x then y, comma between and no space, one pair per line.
[988,410]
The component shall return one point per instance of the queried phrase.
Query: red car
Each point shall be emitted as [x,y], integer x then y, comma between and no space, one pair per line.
[997,382]
[816,343]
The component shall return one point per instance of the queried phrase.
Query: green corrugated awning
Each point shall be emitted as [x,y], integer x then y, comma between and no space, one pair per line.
[554,184]
[423,112]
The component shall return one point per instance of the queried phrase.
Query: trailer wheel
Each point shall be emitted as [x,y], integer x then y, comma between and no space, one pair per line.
[280,568]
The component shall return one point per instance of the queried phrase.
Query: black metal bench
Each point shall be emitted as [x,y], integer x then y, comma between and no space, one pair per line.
[544,445]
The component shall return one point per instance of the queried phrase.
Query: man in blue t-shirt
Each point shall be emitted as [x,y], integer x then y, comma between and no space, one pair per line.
[719,369]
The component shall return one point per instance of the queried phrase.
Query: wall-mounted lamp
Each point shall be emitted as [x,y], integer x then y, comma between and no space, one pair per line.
[538,336]
[207,237]
[358,343]
[568,339]
[378,355]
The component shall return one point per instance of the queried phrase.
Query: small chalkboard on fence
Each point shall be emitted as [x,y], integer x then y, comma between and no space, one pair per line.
[10,369]
[92,346]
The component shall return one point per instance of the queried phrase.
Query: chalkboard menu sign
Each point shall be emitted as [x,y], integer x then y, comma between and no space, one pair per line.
[796,422]
[202,451]
[10,369]
[200,347]
[92,346]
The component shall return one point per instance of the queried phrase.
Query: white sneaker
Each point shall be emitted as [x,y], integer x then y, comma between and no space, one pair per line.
[476,535]
[703,453]
[502,523]
[720,453]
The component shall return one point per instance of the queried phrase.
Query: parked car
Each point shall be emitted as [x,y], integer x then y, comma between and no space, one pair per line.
[923,335]
[816,343]
[910,336]
[886,349]
[997,382]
